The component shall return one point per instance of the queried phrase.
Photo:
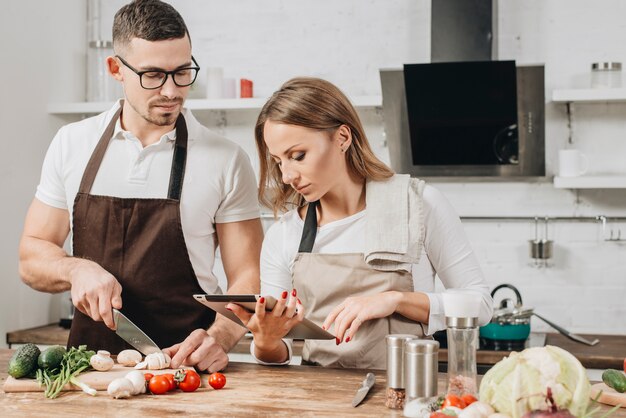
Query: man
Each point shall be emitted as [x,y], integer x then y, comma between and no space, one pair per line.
[147,193]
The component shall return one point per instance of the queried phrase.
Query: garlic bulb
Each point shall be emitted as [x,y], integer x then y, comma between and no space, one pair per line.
[138,380]
[101,361]
[121,388]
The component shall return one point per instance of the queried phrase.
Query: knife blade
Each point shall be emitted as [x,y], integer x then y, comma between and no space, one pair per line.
[361,392]
[133,335]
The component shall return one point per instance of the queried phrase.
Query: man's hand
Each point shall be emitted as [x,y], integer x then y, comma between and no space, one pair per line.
[200,350]
[95,291]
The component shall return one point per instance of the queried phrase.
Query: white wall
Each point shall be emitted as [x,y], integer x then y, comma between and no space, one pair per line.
[346,42]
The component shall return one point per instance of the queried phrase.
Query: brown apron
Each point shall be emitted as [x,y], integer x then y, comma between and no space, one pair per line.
[139,241]
[323,281]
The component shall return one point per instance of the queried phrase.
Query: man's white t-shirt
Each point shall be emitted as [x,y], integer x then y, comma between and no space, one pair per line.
[219,185]
[447,254]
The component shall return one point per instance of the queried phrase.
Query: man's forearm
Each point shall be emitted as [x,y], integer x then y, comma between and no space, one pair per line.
[45,266]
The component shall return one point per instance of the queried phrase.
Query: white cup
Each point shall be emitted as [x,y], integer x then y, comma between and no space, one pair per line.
[572,163]
[229,88]
[215,76]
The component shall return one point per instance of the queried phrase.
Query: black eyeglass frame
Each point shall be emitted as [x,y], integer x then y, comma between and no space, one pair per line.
[167,74]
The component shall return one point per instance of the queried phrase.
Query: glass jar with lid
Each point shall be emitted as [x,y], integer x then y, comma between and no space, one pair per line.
[606,75]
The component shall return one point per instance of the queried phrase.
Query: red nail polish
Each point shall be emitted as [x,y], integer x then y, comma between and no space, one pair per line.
[337,341]
[284,295]
[299,302]
[348,339]
[262,300]
[293,293]
[228,308]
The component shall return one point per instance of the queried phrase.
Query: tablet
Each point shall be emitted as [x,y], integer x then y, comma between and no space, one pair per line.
[306,330]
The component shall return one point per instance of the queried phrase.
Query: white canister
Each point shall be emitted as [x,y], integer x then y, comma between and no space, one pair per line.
[572,163]
[215,75]
[606,75]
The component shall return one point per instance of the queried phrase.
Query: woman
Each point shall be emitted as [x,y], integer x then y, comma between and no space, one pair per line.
[359,252]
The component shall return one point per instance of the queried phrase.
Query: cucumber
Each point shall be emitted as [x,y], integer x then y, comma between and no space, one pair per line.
[24,361]
[615,379]
[50,358]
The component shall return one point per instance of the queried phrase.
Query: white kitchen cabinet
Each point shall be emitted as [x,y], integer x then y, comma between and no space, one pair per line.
[583,96]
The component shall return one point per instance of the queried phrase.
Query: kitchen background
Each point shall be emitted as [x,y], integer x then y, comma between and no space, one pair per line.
[583,288]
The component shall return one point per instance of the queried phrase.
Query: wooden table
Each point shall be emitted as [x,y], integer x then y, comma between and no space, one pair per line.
[251,390]
[609,353]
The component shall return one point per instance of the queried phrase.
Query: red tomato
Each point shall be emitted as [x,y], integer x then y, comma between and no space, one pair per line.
[188,380]
[453,400]
[217,380]
[468,399]
[170,378]
[439,415]
[159,385]
[148,376]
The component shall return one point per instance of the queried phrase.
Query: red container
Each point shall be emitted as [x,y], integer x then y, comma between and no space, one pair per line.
[246,88]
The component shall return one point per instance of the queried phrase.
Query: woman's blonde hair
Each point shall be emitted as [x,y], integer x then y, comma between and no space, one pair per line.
[315,104]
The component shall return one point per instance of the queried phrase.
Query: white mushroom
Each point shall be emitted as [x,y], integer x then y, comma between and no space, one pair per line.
[138,380]
[101,361]
[121,388]
[154,361]
[129,357]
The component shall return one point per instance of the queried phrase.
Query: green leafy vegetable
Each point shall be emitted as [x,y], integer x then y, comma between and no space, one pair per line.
[518,384]
[75,361]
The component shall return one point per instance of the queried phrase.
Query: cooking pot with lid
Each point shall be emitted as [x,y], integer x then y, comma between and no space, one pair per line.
[510,326]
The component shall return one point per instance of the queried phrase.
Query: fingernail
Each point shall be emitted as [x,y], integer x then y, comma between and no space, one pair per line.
[262,300]
[323,327]
[299,302]
[284,295]
[229,308]
[337,341]
[347,339]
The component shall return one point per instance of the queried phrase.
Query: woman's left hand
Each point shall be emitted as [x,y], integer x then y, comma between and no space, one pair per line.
[354,311]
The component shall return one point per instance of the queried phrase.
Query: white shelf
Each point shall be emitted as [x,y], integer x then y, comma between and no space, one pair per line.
[589,95]
[591,182]
[195,104]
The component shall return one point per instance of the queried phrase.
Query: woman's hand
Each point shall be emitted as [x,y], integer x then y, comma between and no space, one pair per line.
[269,327]
[352,312]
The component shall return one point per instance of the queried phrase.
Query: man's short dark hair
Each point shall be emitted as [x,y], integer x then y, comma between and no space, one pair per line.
[152,20]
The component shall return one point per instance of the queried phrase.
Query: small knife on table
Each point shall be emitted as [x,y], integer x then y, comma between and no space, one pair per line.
[133,335]
[364,389]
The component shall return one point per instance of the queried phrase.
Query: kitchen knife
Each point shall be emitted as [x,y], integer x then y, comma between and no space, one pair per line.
[133,335]
[365,387]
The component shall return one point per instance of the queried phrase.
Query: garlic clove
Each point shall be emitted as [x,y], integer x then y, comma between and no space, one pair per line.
[120,388]
[138,380]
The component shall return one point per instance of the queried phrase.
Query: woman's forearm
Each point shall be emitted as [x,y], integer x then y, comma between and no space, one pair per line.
[271,352]
[412,305]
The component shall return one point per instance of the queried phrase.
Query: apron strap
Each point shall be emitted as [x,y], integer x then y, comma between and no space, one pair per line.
[96,158]
[309,232]
[178,160]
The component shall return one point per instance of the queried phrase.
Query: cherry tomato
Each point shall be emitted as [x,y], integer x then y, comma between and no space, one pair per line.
[439,415]
[468,398]
[217,380]
[453,400]
[170,378]
[148,376]
[159,385]
[188,380]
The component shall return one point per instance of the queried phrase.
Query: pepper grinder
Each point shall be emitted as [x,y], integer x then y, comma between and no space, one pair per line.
[461,310]
[395,393]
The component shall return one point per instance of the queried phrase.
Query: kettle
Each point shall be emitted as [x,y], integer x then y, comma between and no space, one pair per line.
[510,326]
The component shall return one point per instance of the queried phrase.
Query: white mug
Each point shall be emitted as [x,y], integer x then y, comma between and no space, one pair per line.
[572,163]
[215,76]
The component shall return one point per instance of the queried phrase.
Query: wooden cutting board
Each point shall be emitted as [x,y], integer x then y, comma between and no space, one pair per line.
[97,380]
[609,395]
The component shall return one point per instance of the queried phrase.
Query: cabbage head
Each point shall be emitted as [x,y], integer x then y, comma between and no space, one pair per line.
[518,383]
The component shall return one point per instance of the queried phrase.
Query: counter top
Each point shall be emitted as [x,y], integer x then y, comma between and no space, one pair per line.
[251,390]
[607,354]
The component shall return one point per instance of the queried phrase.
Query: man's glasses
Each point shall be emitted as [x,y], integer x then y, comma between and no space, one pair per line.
[153,79]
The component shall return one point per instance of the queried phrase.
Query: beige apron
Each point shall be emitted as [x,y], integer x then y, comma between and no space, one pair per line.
[323,281]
